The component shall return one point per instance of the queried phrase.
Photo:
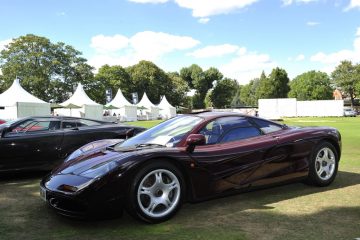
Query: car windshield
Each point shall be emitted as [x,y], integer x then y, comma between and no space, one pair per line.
[167,133]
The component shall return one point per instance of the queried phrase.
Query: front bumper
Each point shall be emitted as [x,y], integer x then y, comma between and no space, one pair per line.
[89,203]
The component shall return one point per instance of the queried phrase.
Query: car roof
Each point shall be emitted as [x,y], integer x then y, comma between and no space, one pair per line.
[61,118]
[210,115]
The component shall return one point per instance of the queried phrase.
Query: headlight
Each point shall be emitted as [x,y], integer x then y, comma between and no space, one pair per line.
[99,170]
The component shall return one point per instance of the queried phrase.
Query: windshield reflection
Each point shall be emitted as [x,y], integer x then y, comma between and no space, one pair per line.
[167,133]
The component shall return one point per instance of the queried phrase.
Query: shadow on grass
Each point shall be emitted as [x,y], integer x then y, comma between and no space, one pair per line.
[247,215]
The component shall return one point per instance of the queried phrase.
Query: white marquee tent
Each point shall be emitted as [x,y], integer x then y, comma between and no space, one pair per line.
[16,102]
[151,112]
[166,110]
[127,111]
[89,108]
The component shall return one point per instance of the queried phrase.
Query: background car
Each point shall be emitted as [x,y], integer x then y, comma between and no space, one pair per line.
[348,112]
[40,143]
[2,121]
[189,158]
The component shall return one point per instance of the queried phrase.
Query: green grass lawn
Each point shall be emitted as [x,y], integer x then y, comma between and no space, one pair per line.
[294,211]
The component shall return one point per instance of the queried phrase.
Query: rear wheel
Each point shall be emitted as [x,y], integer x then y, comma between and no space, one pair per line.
[156,192]
[324,165]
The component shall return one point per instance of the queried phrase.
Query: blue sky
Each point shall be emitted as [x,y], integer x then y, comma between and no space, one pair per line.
[240,37]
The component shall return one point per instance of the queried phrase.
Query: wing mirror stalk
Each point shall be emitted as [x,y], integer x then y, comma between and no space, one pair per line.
[194,140]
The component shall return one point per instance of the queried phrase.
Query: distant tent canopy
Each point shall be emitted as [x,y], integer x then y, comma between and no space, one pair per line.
[16,102]
[126,110]
[152,111]
[166,110]
[88,108]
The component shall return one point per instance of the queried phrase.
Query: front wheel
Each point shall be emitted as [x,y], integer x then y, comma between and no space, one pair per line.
[323,165]
[156,192]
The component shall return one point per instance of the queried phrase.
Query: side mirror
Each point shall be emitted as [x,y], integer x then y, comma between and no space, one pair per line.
[129,133]
[194,140]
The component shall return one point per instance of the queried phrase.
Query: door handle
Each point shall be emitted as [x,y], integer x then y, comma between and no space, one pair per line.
[276,137]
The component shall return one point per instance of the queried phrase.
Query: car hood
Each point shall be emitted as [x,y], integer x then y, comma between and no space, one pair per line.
[100,155]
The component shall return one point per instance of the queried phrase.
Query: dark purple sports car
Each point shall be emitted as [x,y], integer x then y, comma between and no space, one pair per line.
[189,158]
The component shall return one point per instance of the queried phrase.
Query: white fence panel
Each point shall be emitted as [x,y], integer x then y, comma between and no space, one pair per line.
[289,107]
[320,108]
[277,108]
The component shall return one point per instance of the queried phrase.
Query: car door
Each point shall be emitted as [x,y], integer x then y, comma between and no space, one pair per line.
[235,149]
[33,144]
[78,132]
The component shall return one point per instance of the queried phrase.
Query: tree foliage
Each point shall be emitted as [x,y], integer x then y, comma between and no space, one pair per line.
[312,85]
[149,78]
[223,93]
[114,78]
[201,81]
[280,83]
[346,76]
[48,70]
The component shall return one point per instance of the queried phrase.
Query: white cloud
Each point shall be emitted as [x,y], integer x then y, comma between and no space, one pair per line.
[147,45]
[289,2]
[149,1]
[214,51]
[205,8]
[247,65]
[300,57]
[204,20]
[151,45]
[3,43]
[331,60]
[311,23]
[353,4]
[103,43]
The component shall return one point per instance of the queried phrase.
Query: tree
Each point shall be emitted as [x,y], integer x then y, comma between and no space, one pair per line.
[280,82]
[189,74]
[208,102]
[312,85]
[114,77]
[237,101]
[223,92]
[177,94]
[347,77]
[48,70]
[262,87]
[201,81]
[149,78]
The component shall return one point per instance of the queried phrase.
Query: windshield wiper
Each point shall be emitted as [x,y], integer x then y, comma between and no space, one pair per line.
[148,145]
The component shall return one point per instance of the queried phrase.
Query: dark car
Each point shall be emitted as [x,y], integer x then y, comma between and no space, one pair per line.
[40,143]
[189,158]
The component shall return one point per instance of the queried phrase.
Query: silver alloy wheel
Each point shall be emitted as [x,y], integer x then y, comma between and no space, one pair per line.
[158,193]
[325,163]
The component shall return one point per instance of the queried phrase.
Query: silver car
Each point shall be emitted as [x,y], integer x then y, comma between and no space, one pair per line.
[348,112]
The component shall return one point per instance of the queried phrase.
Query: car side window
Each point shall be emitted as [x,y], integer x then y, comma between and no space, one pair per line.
[266,126]
[240,134]
[22,127]
[87,123]
[68,124]
[214,130]
[32,126]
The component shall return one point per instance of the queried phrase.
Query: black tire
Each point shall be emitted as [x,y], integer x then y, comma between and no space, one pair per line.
[136,208]
[313,177]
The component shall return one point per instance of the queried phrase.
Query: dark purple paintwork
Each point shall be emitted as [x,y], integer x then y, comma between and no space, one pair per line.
[209,170]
